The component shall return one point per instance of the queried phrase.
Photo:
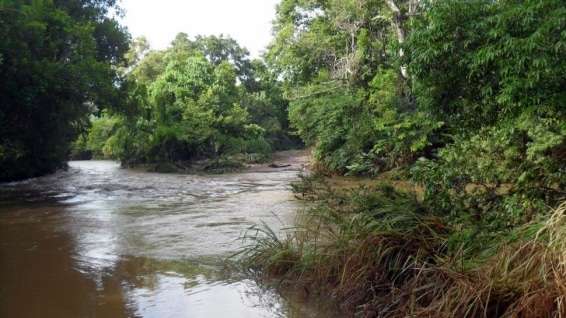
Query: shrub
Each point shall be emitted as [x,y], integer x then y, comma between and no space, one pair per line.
[504,176]
[381,253]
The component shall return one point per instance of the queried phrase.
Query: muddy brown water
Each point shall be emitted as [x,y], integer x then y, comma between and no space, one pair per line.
[101,241]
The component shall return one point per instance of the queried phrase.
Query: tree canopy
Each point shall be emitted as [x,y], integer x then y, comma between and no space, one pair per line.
[427,85]
[200,98]
[57,65]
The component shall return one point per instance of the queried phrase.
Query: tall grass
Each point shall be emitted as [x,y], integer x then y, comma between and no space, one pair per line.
[380,253]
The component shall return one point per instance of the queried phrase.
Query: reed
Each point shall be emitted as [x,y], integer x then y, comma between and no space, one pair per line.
[380,253]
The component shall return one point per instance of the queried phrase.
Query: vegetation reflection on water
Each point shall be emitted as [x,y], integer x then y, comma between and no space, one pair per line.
[100,241]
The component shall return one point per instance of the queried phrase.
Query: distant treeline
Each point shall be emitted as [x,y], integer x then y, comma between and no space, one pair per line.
[75,86]
[201,98]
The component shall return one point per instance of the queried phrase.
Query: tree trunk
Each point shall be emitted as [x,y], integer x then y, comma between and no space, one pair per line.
[399,18]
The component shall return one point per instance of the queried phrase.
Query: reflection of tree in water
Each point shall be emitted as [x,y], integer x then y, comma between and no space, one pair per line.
[65,241]
[143,272]
[290,302]
[39,274]
[172,287]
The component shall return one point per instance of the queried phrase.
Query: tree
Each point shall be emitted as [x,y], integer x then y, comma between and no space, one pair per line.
[57,65]
[199,98]
[342,63]
[218,49]
[494,73]
[402,11]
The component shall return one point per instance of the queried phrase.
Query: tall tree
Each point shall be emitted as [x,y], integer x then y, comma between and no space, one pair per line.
[57,65]
[402,11]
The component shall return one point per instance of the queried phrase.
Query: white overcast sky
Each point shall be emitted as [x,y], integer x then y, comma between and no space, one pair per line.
[247,21]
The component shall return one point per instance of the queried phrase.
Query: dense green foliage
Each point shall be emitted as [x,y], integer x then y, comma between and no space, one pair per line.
[201,98]
[497,82]
[96,142]
[57,65]
[465,102]
[468,79]
[348,100]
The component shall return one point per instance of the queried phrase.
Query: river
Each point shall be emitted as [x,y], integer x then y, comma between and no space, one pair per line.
[100,241]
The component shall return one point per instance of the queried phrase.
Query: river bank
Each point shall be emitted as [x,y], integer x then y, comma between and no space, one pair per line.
[380,251]
[281,160]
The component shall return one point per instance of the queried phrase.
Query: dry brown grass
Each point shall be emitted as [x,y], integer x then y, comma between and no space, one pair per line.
[374,270]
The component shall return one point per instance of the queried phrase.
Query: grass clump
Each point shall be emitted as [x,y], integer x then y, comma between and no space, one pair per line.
[381,252]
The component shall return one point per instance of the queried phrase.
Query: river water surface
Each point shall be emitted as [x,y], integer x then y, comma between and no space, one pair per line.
[101,241]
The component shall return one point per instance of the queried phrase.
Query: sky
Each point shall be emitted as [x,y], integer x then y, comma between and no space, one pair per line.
[247,21]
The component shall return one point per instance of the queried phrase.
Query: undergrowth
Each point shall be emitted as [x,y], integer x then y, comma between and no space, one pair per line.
[380,252]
